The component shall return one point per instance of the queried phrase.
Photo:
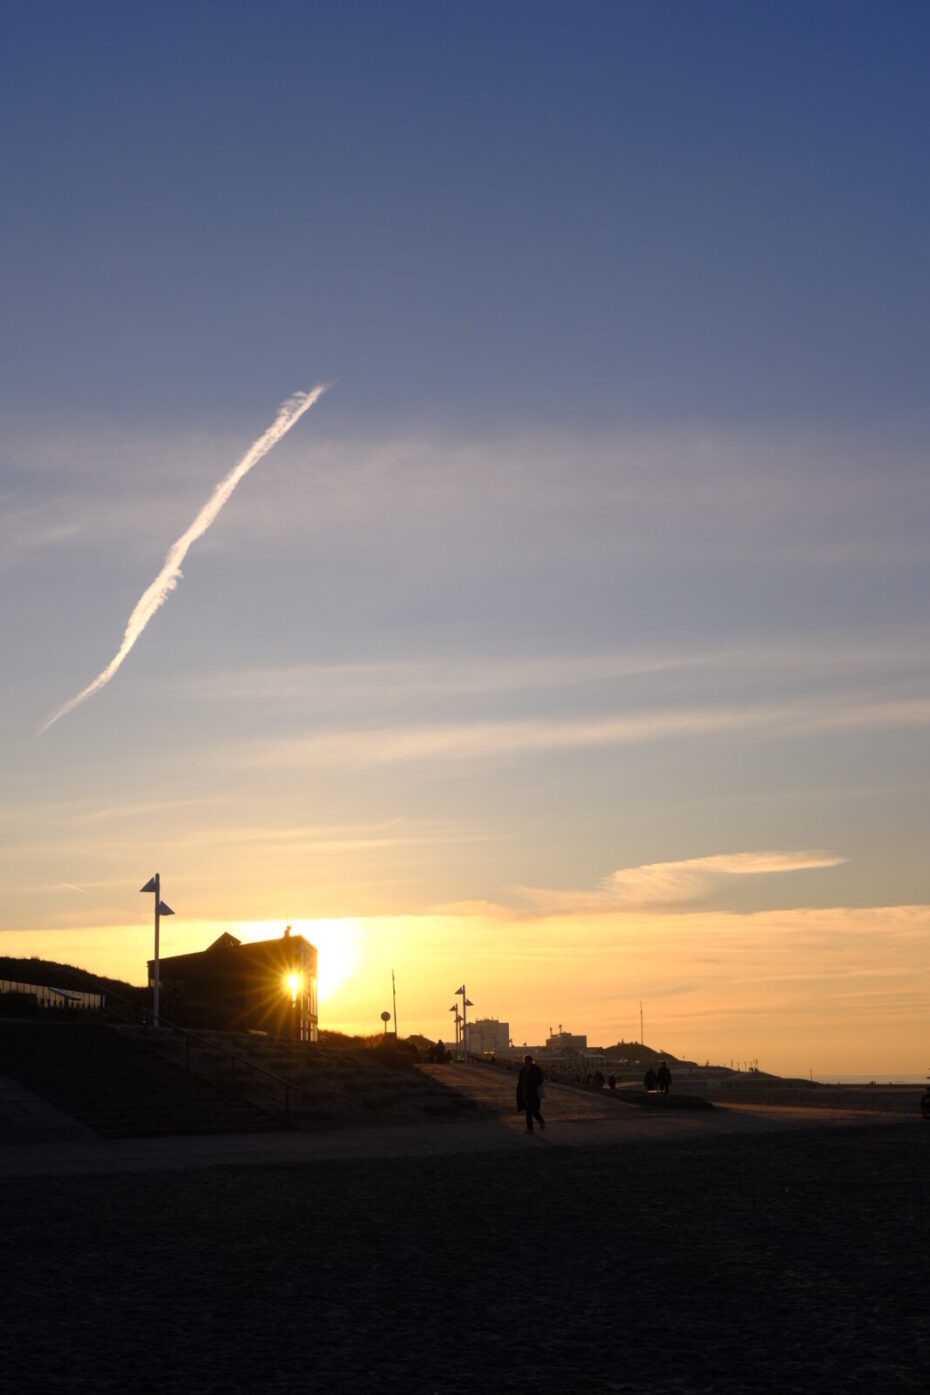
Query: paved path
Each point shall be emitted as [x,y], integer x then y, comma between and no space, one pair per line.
[592,1116]
[26,1118]
[575,1118]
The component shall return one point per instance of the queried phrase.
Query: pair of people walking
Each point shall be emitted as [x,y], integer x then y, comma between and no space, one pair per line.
[660,1080]
[530,1091]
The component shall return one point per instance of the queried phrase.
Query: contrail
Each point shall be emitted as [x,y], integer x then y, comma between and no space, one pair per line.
[289,413]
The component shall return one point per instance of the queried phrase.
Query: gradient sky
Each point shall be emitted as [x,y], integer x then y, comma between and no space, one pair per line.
[575,644]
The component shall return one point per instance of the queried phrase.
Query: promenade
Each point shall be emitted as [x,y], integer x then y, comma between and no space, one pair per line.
[39,1140]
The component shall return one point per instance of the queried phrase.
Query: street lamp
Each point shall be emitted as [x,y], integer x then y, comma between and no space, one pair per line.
[154,884]
[466,1004]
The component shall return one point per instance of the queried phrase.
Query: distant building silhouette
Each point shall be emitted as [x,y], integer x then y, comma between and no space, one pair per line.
[268,986]
[566,1041]
[486,1036]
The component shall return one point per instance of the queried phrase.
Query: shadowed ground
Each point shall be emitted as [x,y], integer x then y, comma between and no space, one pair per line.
[741,1253]
[576,1118]
[796,1260]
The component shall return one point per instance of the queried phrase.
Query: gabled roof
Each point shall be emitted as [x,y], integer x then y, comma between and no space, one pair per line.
[225,941]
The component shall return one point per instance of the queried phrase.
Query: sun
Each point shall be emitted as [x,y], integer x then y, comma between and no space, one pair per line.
[337,944]
[336,941]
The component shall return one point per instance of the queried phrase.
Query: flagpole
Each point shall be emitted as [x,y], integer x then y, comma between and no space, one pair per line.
[157,914]
[154,884]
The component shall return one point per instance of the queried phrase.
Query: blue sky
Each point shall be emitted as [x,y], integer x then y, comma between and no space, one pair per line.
[604,553]
[603,211]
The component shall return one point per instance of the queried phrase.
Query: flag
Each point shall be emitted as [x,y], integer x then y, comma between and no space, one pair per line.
[460,992]
[149,885]
[164,910]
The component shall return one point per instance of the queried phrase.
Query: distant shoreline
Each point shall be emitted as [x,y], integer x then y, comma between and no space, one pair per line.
[898,1078]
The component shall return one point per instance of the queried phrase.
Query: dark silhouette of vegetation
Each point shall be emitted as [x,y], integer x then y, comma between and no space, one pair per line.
[50,974]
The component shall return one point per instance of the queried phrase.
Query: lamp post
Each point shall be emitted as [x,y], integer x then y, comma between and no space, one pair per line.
[466,1004]
[154,884]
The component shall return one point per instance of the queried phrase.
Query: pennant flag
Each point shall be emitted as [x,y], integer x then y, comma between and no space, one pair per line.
[149,885]
[164,910]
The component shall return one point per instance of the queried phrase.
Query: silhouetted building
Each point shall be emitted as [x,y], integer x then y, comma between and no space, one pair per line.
[566,1041]
[268,986]
[487,1037]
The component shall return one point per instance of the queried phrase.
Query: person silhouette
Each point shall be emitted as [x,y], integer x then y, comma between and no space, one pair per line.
[651,1080]
[529,1087]
[664,1079]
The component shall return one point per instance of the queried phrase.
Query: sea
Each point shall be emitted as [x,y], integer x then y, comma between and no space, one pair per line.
[895,1078]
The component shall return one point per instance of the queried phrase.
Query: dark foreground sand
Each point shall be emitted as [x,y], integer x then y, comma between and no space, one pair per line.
[787,1260]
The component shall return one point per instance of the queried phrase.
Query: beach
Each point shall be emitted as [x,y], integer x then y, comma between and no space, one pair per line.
[745,1253]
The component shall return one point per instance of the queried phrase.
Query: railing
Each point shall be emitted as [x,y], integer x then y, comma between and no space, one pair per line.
[141,1019]
[44,995]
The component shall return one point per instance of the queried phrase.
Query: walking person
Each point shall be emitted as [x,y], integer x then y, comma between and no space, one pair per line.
[529,1093]
[664,1079]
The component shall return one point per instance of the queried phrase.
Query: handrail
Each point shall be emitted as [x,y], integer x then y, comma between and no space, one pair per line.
[164,1022]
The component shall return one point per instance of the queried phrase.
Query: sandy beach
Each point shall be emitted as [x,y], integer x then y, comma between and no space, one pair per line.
[760,1248]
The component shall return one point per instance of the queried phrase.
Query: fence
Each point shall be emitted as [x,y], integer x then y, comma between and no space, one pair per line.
[45,996]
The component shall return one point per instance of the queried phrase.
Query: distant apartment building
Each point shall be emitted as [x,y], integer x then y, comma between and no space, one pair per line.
[269,986]
[487,1037]
[566,1041]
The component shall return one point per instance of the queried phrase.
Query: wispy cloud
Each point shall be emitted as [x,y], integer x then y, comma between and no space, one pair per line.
[138,809]
[34,529]
[429,678]
[670,883]
[822,657]
[452,741]
[155,595]
[816,498]
[478,740]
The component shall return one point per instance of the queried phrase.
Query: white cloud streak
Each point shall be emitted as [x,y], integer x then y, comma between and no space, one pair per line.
[667,883]
[482,740]
[289,413]
[457,741]
[825,657]
[412,679]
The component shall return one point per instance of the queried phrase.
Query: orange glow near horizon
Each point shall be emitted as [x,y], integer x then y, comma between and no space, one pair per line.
[836,990]
[336,942]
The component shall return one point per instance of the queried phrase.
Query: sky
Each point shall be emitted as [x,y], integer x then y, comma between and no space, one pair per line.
[573,645]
